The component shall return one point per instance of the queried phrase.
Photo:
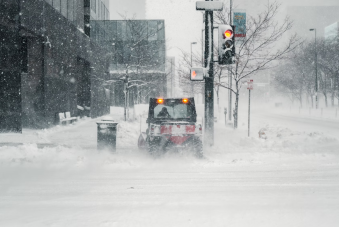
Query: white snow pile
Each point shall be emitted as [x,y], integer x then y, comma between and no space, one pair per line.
[282,146]
[128,134]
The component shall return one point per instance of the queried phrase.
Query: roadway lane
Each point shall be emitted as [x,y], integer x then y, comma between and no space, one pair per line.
[299,123]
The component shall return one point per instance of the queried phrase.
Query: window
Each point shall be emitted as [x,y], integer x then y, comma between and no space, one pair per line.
[152,30]
[24,52]
[64,8]
[161,30]
[121,30]
[70,11]
[48,1]
[99,11]
[94,5]
[119,46]
[107,14]
[173,111]
[56,5]
[102,15]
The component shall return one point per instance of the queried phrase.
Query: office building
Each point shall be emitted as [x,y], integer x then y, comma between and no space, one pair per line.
[137,51]
[48,63]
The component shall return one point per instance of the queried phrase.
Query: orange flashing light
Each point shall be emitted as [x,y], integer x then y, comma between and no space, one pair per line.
[185,100]
[160,101]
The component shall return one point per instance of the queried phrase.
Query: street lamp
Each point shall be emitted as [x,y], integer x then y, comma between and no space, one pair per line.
[192,65]
[191,51]
[316,67]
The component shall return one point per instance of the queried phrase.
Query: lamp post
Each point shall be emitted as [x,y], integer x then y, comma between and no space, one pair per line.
[316,67]
[191,51]
[192,66]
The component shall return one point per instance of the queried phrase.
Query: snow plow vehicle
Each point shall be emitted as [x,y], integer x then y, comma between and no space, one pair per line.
[172,125]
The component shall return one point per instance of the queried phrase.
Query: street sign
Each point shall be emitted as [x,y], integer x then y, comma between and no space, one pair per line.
[209,6]
[197,74]
[239,21]
[250,84]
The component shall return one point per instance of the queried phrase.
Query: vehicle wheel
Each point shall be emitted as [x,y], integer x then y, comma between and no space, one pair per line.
[141,143]
[198,148]
[152,148]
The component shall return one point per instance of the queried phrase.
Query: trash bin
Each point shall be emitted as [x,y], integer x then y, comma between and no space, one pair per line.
[107,134]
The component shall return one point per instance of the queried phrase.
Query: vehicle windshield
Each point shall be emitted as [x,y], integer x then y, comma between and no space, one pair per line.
[173,111]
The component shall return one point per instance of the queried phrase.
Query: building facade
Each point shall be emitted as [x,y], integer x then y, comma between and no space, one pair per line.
[136,50]
[332,32]
[48,63]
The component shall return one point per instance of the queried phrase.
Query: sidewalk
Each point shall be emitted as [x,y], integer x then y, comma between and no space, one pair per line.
[83,131]
[82,134]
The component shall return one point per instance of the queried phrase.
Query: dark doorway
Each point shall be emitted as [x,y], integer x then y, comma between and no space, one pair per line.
[84,84]
[10,80]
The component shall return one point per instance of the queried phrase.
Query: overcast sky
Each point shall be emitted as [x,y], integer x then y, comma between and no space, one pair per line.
[183,23]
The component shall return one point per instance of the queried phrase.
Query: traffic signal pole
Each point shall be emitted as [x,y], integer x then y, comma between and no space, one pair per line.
[208,7]
[209,96]
[230,76]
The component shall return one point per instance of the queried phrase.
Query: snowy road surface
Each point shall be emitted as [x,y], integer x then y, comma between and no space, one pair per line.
[290,179]
[297,122]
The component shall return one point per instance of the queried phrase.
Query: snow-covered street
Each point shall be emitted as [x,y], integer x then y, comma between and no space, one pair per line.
[171,113]
[289,179]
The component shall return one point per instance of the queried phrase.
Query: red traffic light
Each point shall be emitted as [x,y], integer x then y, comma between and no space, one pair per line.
[228,33]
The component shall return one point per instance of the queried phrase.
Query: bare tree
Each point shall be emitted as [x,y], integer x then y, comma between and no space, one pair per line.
[288,80]
[194,87]
[301,66]
[139,56]
[328,58]
[258,51]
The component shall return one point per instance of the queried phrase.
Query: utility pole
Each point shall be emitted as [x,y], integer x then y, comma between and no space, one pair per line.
[230,76]
[208,7]
[249,111]
[209,96]
[126,98]
[171,77]
[316,67]
[249,87]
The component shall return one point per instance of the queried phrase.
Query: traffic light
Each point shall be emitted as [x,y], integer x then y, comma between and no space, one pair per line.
[197,74]
[226,46]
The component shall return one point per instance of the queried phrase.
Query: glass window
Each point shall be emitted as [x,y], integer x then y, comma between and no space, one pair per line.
[111,27]
[70,11]
[119,52]
[152,30]
[173,111]
[94,5]
[107,14]
[161,30]
[127,52]
[64,8]
[56,5]
[102,15]
[129,30]
[121,30]
[142,31]
[48,1]
[99,10]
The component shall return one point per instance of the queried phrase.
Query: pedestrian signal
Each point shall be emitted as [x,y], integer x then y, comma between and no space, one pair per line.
[197,74]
